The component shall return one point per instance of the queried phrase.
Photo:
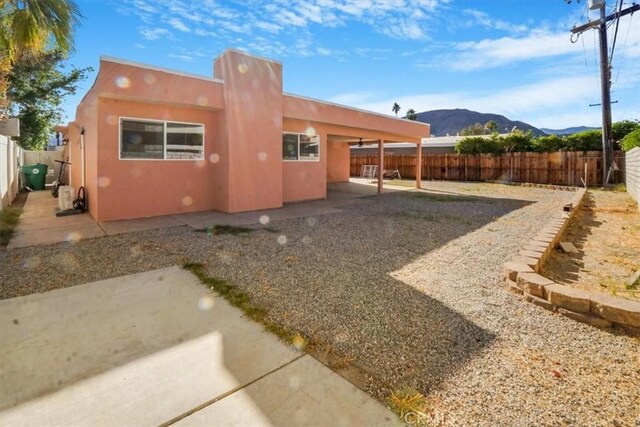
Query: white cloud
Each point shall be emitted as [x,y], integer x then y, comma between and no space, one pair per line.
[178,25]
[154,33]
[181,56]
[517,103]
[485,20]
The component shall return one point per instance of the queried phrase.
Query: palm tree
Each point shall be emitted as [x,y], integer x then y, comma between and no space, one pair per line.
[395,108]
[30,27]
[411,114]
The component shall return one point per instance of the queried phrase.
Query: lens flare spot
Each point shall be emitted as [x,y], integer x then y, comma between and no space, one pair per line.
[311,221]
[112,120]
[135,251]
[294,382]
[202,100]
[243,68]
[342,337]
[187,200]
[214,158]
[298,342]
[264,219]
[200,164]
[149,78]
[135,139]
[206,302]
[310,131]
[282,239]
[73,237]
[103,181]
[306,240]
[262,156]
[123,82]
[32,262]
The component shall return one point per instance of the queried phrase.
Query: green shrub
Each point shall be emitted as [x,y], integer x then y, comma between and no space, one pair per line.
[516,141]
[479,145]
[622,128]
[588,140]
[631,140]
[548,144]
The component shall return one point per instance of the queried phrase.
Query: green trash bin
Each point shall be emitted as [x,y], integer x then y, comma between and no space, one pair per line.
[36,175]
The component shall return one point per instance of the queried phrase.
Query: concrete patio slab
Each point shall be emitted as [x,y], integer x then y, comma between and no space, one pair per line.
[135,350]
[143,224]
[199,220]
[298,210]
[309,394]
[70,233]
[154,348]
[39,224]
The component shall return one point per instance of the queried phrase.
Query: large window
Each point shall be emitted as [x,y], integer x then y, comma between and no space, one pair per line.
[146,139]
[300,146]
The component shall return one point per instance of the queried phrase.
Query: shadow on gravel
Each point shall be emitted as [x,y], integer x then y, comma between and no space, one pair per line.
[564,267]
[332,282]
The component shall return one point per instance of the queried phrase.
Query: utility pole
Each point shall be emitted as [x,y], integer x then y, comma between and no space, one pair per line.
[605,77]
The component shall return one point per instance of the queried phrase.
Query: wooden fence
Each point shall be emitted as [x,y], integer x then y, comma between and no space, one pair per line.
[560,168]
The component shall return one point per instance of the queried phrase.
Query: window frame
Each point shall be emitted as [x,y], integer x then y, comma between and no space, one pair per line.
[307,159]
[164,137]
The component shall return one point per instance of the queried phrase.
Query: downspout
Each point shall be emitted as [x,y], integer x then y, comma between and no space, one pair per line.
[82,155]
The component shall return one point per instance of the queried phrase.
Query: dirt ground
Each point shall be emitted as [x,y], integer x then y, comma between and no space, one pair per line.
[606,232]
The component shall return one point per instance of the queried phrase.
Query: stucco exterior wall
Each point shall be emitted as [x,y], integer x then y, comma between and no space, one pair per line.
[244,112]
[253,109]
[143,188]
[338,162]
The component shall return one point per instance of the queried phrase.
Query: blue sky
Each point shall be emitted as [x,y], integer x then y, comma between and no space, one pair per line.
[512,57]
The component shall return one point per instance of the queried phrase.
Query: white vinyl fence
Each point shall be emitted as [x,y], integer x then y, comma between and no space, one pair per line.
[633,173]
[9,155]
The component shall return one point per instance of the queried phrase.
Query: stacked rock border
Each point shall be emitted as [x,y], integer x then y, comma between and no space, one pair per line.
[593,308]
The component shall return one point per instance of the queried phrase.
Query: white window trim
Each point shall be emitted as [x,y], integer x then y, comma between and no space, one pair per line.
[164,127]
[314,159]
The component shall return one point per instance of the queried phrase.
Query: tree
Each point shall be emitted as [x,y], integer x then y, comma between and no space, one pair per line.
[479,145]
[411,114]
[516,141]
[491,126]
[477,129]
[31,27]
[36,89]
[395,108]
[622,128]
[631,140]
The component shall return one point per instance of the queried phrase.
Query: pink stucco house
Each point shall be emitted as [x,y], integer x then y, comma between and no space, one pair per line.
[148,141]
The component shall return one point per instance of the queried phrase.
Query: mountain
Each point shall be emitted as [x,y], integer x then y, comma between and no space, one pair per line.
[451,122]
[567,131]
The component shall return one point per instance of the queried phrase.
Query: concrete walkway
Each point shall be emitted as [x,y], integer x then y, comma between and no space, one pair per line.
[39,226]
[158,348]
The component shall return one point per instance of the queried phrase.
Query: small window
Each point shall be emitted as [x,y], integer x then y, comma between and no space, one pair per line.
[296,146]
[142,139]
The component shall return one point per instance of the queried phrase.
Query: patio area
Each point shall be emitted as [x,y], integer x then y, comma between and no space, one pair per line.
[402,290]
[39,225]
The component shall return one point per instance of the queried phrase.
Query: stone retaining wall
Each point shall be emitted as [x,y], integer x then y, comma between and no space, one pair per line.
[596,309]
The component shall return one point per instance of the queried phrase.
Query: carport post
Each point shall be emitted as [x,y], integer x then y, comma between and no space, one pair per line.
[419,166]
[380,164]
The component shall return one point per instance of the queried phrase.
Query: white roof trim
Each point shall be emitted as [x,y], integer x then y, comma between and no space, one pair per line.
[353,108]
[161,69]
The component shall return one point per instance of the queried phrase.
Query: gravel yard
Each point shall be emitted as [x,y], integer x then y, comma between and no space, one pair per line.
[405,289]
